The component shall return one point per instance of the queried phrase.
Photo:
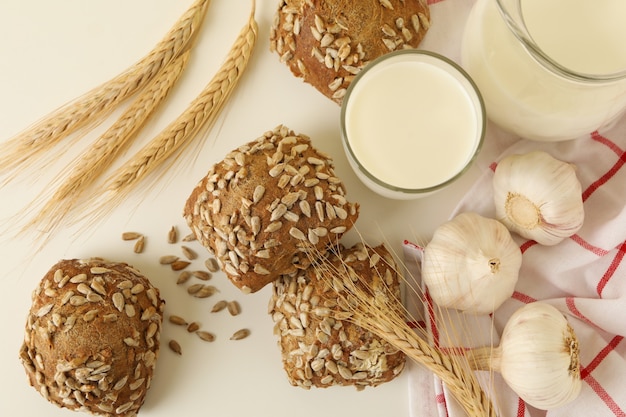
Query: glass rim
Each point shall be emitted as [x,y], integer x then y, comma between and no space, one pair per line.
[473,90]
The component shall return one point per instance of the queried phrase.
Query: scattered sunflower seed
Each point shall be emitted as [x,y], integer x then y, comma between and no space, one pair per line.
[179,265]
[183,277]
[219,306]
[240,334]
[212,265]
[168,259]
[193,327]
[189,253]
[193,289]
[172,235]
[234,308]
[178,320]
[175,346]
[206,336]
[203,275]
[205,291]
[139,245]
[131,235]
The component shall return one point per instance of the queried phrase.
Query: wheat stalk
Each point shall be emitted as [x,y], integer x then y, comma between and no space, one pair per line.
[384,315]
[103,152]
[200,114]
[32,143]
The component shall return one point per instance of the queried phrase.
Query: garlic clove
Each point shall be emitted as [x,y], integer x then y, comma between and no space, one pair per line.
[471,264]
[538,197]
[539,356]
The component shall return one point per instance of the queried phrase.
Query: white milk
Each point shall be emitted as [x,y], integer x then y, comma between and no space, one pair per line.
[412,122]
[520,94]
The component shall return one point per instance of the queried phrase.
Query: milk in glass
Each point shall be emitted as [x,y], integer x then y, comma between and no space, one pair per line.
[411,123]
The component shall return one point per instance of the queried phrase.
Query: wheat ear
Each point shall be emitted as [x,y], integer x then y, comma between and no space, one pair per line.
[200,114]
[380,314]
[103,152]
[32,143]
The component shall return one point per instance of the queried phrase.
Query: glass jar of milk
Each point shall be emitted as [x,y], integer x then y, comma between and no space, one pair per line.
[548,70]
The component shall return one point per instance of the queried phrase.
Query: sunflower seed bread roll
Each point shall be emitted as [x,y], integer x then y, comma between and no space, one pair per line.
[92,337]
[319,347]
[268,202]
[327,42]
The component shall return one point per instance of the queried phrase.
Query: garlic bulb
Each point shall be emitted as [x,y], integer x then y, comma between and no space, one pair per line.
[471,264]
[538,357]
[538,197]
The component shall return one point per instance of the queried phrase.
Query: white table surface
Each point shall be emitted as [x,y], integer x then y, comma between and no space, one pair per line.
[53,51]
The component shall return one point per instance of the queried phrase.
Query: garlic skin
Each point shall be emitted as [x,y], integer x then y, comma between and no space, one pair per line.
[538,356]
[538,197]
[471,264]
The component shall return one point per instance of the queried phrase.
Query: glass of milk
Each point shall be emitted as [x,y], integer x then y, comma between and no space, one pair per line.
[548,70]
[412,122]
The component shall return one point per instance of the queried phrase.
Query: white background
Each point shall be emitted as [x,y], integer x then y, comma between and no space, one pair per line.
[53,51]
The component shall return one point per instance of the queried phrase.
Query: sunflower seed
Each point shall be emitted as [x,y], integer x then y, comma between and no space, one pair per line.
[234,308]
[193,289]
[131,235]
[83,288]
[219,306]
[258,193]
[172,235]
[175,347]
[297,233]
[179,265]
[193,327]
[90,315]
[415,22]
[177,320]
[109,318]
[205,291]
[129,309]
[168,259]
[129,341]
[76,279]
[183,277]
[212,265]
[44,310]
[189,253]
[137,289]
[139,245]
[388,30]
[240,334]
[203,275]
[206,336]
[386,4]
[78,300]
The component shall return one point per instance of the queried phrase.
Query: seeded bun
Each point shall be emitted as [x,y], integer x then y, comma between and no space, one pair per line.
[327,42]
[318,347]
[260,208]
[92,337]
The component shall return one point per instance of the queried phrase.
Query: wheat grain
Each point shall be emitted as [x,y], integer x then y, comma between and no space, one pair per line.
[382,315]
[88,109]
[199,115]
[92,163]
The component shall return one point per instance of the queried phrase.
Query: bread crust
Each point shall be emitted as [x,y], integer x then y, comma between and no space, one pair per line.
[265,204]
[318,347]
[327,42]
[92,336]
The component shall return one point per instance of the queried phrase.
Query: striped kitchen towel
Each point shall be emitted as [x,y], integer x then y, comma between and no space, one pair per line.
[584,277]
